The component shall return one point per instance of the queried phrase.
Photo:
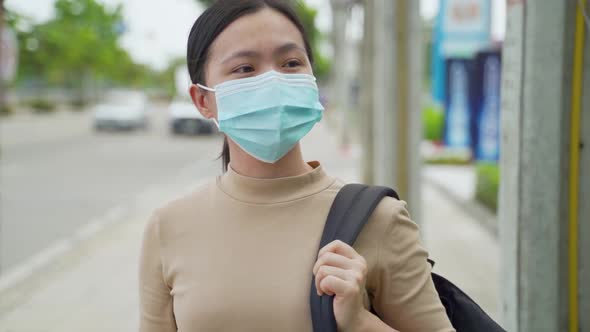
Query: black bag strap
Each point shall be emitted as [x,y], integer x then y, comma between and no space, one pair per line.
[350,211]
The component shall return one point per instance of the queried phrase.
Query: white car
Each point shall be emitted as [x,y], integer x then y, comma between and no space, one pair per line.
[122,110]
[186,119]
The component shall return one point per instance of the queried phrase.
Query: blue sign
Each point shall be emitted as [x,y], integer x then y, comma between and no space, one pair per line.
[438,63]
[486,101]
[458,119]
[462,28]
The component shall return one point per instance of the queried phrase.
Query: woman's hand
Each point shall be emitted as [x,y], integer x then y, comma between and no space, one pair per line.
[342,272]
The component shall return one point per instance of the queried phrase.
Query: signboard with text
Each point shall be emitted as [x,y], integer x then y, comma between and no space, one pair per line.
[462,28]
[466,26]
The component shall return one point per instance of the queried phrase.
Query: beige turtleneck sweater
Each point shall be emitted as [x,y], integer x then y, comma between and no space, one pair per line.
[237,255]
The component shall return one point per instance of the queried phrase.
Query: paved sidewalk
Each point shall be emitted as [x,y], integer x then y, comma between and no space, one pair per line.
[458,180]
[465,252]
[94,287]
[458,183]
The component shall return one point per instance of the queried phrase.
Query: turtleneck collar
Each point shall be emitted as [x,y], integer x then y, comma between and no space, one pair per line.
[277,190]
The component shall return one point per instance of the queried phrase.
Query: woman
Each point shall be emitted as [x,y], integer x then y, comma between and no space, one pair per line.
[239,253]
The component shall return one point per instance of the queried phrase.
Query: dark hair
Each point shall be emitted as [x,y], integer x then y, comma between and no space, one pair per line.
[214,20]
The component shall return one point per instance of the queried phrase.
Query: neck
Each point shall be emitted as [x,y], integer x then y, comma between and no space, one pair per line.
[292,164]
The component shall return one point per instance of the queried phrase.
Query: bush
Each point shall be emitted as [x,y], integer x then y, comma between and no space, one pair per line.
[488,181]
[42,106]
[6,110]
[433,119]
[78,104]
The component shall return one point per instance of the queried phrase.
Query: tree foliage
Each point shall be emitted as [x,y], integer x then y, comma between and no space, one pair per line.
[308,16]
[80,43]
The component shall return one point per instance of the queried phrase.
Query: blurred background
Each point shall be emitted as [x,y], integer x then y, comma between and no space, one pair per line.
[431,97]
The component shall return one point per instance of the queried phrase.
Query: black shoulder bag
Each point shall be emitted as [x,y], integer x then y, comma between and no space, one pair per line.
[351,209]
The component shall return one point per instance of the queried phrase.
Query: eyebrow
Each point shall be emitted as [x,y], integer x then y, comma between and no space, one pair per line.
[286,48]
[242,54]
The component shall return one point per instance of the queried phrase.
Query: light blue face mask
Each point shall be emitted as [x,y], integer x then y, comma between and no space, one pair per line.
[267,115]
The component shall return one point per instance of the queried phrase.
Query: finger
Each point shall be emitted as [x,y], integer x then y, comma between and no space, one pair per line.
[332,259]
[341,248]
[333,285]
[325,271]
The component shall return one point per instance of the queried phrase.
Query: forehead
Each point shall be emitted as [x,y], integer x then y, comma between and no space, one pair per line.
[261,31]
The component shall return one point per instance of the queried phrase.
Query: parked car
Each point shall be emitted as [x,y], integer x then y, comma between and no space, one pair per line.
[122,110]
[186,119]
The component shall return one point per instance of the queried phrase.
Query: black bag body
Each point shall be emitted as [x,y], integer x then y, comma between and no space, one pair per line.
[351,209]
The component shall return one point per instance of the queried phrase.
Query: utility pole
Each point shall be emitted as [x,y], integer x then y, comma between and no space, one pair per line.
[384,96]
[340,80]
[545,163]
[409,89]
[397,89]
[2,88]
[367,93]
[2,104]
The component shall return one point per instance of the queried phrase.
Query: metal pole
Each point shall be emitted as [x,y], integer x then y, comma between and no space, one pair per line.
[584,195]
[367,93]
[2,105]
[414,108]
[408,78]
[397,85]
[2,87]
[385,97]
[580,174]
[339,77]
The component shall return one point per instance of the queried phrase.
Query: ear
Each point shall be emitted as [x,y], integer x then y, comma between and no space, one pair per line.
[203,101]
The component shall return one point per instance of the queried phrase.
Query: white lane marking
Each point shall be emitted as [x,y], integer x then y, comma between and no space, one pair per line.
[61,247]
[58,248]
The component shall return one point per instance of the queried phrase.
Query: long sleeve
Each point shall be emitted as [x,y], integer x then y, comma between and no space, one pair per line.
[156,313]
[405,297]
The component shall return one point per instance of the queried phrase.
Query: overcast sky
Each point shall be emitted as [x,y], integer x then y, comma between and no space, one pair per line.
[158,29]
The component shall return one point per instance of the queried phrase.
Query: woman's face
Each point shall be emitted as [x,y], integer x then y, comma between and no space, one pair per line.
[250,46]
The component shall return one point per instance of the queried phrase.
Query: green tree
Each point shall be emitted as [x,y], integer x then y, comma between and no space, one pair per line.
[80,45]
[307,15]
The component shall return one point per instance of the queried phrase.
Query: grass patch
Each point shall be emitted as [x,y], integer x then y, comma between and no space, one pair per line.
[78,104]
[433,120]
[6,110]
[448,160]
[488,181]
[42,106]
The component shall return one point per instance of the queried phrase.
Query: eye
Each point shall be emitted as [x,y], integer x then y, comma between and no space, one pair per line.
[292,63]
[243,69]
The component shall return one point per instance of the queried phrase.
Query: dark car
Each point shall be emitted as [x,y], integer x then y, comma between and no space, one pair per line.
[186,119]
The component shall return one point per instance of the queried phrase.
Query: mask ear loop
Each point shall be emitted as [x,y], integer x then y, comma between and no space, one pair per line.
[204,87]
[211,90]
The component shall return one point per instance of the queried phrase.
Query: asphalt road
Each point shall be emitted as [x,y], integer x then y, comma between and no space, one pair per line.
[57,174]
